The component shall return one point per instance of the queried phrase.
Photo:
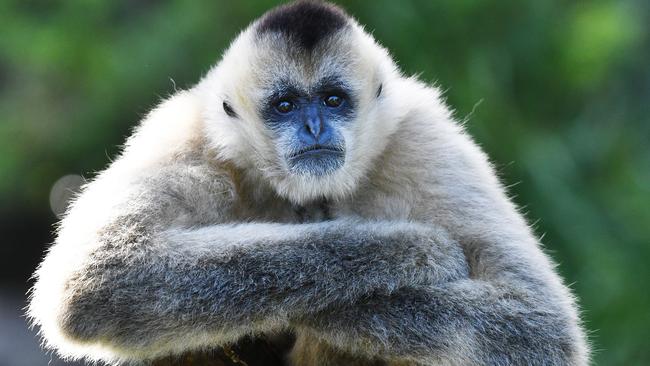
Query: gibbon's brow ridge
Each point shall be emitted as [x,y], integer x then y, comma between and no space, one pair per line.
[307,22]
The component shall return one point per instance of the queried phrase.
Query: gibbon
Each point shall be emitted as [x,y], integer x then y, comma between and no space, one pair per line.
[304,186]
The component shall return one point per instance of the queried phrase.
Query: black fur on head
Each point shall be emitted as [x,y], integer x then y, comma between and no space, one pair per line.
[305,21]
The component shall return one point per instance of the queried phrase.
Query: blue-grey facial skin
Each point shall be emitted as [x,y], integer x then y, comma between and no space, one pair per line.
[307,125]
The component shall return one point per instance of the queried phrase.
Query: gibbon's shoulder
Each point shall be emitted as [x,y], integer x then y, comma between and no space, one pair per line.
[173,129]
[425,118]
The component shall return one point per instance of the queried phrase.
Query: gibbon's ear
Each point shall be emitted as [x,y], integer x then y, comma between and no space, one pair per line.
[228,109]
[169,129]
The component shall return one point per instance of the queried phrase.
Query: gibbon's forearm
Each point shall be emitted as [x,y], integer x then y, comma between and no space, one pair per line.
[513,320]
[225,281]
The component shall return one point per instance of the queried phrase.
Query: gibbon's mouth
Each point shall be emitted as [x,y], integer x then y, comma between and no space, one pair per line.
[317,150]
[316,160]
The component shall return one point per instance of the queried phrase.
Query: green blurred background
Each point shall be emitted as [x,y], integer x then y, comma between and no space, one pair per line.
[557,92]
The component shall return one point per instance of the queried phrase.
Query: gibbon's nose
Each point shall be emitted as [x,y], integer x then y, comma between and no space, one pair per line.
[313,121]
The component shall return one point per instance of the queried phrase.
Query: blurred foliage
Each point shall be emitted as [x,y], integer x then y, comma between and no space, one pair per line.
[557,92]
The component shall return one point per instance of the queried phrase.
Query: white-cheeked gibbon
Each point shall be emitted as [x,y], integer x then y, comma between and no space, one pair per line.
[304,186]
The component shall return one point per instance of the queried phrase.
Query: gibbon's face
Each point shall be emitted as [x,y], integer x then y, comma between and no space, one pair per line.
[307,122]
[300,90]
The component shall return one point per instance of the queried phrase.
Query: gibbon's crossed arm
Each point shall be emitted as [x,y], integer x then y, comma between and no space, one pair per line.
[191,239]
[155,281]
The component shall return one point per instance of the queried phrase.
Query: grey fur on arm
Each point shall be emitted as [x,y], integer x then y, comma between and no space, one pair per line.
[145,287]
[489,319]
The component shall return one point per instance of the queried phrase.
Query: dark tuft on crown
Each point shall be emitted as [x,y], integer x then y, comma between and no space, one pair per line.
[305,21]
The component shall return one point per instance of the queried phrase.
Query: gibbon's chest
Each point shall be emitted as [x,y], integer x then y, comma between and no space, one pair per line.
[369,203]
[281,211]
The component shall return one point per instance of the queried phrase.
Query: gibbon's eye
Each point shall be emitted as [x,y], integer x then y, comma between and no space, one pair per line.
[284,106]
[333,101]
